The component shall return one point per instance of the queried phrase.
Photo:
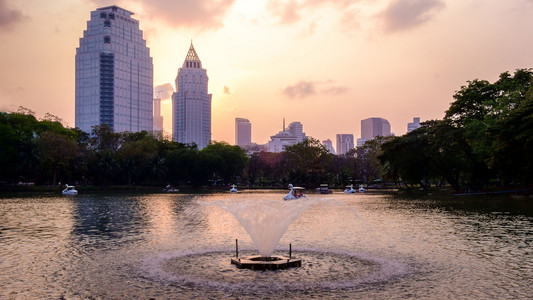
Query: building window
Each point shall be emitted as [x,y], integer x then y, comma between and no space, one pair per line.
[112,16]
[103,15]
[107,23]
[107,39]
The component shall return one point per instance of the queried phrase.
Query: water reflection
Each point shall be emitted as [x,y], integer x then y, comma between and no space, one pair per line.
[107,246]
[110,219]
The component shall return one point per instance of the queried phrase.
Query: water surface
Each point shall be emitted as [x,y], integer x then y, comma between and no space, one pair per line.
[356,246]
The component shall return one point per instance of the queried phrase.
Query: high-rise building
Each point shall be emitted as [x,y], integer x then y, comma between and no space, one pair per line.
[414,125]
[344,143]
[289,136]
[114,73]
[191,103]
[243,132]
[158,118]
[373,127]
[329,146]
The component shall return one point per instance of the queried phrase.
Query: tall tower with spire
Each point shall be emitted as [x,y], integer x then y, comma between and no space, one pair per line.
[191,103]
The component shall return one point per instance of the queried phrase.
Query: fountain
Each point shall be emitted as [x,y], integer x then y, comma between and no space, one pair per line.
[266,222]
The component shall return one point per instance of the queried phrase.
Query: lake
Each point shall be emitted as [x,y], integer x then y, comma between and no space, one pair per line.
[173,246]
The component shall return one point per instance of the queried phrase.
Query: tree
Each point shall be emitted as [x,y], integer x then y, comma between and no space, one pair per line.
[226,161]
[56,152]
[307,161]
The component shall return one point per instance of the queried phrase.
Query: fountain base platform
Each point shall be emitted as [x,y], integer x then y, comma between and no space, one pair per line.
[257,262]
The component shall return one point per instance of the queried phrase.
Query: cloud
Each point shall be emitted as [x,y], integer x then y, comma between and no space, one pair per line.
[405,14]
[304,89]
[163,91]
[336,90]
[9,17]
[288,12]
[226,90]
[202,14]
[301,89]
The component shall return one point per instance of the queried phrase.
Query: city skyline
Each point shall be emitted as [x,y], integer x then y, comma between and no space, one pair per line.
[318,62]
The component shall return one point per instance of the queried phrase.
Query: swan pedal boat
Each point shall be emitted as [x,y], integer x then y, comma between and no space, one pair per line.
[349,189]
[292,193]
[69,190]
[233,189]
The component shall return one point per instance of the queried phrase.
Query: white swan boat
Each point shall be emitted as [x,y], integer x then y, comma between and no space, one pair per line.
[296,192]
[233,189]
[170,189]
[69,190]
[349,189]
[361,189]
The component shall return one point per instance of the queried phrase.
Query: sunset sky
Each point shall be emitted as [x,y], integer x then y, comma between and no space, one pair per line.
[326,63]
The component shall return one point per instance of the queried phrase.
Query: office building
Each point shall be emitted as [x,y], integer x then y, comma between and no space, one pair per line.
[414,125]
[191,103]
[289,136]
[329,146]
[344,143]
[373,127]
[243,132]
[114,74]
[158,118]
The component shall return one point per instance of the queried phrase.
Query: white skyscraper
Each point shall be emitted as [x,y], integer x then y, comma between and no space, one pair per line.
[191,104]
[114,73]
[344,143]
[291,135]
[243,132]
[373,127]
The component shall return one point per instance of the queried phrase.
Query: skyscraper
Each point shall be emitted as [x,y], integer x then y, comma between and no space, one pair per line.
[191,104]
[373,127]
[158,118]
[329,146]
[344,143]
[414,125]
[243,132]
[114,73]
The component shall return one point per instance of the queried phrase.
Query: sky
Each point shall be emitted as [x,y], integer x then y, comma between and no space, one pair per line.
[325,63]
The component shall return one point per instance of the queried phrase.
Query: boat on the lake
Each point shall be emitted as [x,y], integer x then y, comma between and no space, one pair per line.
[349,189]
[323,189]
[170,189]
[296,192]
[69,190]
[233,189]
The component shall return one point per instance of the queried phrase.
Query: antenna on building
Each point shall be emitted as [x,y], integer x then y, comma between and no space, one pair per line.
[283,124]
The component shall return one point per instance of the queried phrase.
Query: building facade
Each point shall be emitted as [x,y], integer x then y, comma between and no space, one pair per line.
[344,143]
[114,74]
[243,132]
[191,103]
[289,136]
[373,127]
[329,146]
[158,118]
[414,125]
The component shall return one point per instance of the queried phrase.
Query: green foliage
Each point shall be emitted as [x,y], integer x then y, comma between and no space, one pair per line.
[484,137]
[307,161]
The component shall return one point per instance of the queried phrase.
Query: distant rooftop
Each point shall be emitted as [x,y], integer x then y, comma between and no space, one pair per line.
[115,8]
